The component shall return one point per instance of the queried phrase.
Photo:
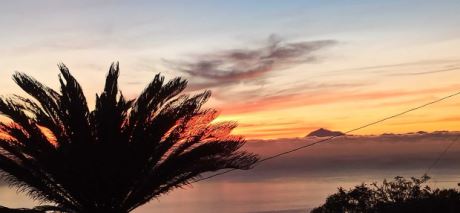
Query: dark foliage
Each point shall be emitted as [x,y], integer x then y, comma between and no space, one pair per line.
[38,209]
[400,195]
[8,210]
[118,156]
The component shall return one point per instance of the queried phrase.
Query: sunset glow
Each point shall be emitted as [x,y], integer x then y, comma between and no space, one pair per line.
[276,76]
[229,106]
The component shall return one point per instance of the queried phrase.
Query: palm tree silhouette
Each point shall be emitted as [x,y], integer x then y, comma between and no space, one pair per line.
[118,156]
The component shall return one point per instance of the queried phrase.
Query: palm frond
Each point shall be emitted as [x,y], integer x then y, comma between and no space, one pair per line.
[119,155]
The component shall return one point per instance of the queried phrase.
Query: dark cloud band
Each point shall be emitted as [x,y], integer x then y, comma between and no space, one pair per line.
[233,66]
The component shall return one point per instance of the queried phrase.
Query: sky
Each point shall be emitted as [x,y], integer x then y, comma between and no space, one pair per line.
[279,68]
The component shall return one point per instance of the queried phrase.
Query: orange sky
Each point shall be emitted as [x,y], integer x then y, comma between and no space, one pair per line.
[281,70]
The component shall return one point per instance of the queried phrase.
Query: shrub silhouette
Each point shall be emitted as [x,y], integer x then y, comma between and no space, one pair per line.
[118,156]
[399,195]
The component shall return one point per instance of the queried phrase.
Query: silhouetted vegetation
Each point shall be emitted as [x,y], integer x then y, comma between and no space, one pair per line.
[399,195]
[38,209]
[10,210]
[118,156]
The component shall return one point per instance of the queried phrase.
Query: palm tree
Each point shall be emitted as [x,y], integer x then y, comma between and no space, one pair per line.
[118,156]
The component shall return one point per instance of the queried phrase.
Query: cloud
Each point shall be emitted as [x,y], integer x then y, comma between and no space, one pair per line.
[427,120]
[226,67]
[274,102]
[428,72]
[391,154]
[404,69]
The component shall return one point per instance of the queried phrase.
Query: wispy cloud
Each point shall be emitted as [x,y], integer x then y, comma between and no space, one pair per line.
[226,67]
[404,69]
[313,98]
[447,69]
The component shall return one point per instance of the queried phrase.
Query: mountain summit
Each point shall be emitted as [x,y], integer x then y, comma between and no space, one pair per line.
[324,133]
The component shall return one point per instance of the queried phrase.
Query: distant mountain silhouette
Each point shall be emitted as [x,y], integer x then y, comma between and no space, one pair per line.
[324,133]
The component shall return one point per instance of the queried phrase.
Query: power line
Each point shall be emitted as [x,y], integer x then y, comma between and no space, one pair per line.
[436,161]
[336,136]
[441,154]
